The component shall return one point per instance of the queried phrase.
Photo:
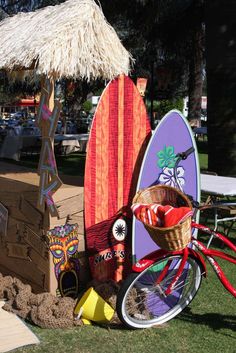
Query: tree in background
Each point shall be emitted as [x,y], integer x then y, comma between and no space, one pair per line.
[168,36]
[170,46]
[221,85]
[196,62]
[14,6]
[173,31]
[163,50]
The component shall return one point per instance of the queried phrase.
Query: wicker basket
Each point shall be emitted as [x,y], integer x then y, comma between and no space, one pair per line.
[173,238]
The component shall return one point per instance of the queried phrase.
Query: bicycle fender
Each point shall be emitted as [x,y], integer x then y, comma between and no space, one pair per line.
[150,259]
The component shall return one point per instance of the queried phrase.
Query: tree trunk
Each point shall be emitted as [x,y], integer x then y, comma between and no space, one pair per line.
[196,78]
[221,86]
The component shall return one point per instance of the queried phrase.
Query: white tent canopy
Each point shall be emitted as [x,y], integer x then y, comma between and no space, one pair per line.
[72,39]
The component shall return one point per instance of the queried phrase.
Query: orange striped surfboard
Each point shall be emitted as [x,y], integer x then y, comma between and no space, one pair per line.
[118,139]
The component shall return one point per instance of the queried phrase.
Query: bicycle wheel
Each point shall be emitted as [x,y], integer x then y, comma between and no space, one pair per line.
[141,303]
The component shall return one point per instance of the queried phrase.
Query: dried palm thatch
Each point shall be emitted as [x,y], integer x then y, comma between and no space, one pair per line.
[72,39]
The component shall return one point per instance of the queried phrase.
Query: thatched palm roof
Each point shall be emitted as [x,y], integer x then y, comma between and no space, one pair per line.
[72,39]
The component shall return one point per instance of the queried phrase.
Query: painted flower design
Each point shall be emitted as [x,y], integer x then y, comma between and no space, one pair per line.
[62,231]
[167,157]
[167,177]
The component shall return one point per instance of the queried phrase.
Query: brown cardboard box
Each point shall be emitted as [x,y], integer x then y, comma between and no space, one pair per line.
[24,250]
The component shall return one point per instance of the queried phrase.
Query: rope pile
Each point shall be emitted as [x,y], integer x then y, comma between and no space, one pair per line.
[46,310]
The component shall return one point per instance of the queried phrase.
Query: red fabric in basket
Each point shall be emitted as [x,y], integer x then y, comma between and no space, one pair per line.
[160,216]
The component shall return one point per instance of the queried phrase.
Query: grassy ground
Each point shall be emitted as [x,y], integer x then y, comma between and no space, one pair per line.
[202,153]
[207,326]
[74,163]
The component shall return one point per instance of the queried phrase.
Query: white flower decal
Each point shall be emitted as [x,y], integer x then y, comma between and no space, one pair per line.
[167,177]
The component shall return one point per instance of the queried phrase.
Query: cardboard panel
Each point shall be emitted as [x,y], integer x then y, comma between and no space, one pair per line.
[10,198]
[23,267]
[30,212]
[41,265]
[3,220]
[8,271]
[17,250]
[70,206]
[24,253]
[79,219]
[34,240]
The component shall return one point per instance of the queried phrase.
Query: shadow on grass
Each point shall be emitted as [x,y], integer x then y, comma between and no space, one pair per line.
[72,164]
[122,327]
[214,321]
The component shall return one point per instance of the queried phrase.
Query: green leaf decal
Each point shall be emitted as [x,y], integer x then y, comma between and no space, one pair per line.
[167,157]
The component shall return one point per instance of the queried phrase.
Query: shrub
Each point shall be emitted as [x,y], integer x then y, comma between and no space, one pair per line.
[87,106]
[166,105]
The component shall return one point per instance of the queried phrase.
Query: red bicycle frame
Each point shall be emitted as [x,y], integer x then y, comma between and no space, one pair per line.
[211,253]
[150,259]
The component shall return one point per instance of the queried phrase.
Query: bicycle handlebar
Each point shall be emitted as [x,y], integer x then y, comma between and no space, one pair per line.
[181,156]
[220,204]
[184,155]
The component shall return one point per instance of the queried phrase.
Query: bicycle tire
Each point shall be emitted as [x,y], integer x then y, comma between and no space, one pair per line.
[140,304]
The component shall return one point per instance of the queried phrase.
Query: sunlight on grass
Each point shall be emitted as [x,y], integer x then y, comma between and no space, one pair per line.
[74,163]
[207,325]
[203,161]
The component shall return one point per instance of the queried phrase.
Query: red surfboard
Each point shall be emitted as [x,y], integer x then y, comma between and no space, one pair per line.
[118,138]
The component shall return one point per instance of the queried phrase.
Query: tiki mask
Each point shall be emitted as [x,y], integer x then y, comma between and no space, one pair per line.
[63,244]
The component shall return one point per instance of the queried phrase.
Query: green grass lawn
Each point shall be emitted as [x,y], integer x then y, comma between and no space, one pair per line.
[208,325]
[203,161]
[74,163]
[202,154]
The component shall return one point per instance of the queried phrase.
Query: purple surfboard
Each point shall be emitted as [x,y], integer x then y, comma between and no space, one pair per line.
[172,136]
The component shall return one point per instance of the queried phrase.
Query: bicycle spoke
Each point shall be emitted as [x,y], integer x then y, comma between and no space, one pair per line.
[144,302]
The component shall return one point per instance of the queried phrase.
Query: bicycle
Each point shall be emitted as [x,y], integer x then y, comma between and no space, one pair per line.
[164,282]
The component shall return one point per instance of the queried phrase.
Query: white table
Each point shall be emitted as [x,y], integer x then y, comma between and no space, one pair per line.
[13,145]
[218,185]
[221,189]
[79,141]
